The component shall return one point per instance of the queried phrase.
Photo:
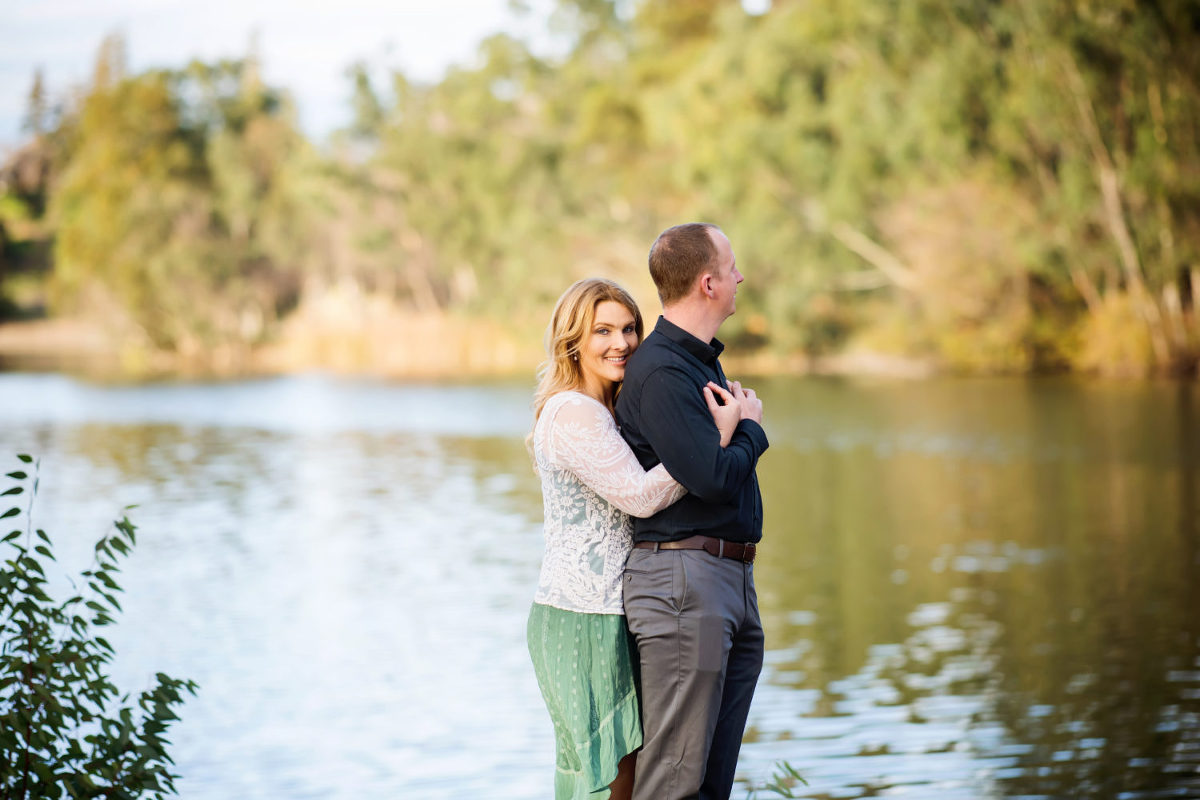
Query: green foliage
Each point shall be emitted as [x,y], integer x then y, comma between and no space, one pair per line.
[65,728]
[989,179]
[782,783]
[175,219]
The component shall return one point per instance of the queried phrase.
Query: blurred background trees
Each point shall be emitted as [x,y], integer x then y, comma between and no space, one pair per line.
[173,208]
[1001,186]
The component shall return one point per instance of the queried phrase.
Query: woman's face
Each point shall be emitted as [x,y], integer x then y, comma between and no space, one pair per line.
[607,346]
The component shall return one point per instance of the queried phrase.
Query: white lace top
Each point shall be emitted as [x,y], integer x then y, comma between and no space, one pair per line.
[591,482]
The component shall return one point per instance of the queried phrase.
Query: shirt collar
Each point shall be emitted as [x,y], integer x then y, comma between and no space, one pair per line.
[706,352]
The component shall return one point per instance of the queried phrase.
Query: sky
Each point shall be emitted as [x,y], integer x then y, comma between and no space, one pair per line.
[305,45]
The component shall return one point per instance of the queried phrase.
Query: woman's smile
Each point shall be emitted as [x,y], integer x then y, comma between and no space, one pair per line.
[606,350]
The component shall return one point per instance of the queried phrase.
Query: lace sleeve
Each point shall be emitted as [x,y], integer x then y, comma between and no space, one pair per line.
[583,439]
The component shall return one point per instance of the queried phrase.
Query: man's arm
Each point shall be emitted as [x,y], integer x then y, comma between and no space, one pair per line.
[678,426]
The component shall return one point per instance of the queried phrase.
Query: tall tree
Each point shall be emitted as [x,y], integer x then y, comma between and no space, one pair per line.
[37,107]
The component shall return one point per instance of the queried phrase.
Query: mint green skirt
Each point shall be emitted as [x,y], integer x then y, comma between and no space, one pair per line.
[584,666]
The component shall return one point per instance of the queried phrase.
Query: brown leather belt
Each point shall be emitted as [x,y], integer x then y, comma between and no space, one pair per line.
[720,548]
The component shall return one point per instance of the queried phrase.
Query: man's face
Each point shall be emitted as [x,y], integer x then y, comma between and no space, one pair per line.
[726,278]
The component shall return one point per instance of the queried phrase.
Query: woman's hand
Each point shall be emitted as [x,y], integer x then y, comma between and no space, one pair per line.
[726,413]
[747,399]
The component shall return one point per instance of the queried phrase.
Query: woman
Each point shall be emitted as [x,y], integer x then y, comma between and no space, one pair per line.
[591,482]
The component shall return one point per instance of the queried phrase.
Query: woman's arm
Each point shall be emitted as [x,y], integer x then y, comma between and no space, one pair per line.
[583,438]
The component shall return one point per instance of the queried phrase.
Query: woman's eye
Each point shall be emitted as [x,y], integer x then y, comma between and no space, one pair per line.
[602,331]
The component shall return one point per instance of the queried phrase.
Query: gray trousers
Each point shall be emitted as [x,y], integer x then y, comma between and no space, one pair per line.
[700,645]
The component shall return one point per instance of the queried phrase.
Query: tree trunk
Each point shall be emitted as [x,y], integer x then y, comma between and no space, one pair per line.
[1114,215]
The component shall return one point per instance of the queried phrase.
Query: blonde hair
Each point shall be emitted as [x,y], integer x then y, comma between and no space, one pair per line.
[571,322]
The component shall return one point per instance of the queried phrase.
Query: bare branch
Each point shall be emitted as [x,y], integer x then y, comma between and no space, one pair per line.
[877,256]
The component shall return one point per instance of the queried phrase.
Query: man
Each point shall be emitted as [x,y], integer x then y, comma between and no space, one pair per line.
[689,584]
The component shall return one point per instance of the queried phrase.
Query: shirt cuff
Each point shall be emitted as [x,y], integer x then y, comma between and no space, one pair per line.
[756,433]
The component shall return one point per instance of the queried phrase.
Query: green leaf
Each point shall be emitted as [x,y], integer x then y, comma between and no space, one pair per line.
[13,490]
[12,512]
[11,536]
[18,475]
[42,535]
[794,773]
[26,458]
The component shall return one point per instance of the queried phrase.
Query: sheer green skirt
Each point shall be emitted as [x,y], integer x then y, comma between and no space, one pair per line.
[585,667]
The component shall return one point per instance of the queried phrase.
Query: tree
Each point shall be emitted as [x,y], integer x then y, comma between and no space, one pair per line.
[368,111]
[176,217]
[37,108]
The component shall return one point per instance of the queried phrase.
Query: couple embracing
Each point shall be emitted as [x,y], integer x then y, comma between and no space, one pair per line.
[645,633]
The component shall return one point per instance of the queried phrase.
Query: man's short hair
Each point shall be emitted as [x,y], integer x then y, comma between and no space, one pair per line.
[678,256]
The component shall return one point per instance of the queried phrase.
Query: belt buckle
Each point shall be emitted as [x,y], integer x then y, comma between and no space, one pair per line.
[748,552]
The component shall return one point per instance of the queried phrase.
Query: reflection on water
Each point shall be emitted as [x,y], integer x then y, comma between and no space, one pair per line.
[982,588]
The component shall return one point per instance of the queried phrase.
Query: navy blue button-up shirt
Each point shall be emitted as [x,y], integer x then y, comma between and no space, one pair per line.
[663,417]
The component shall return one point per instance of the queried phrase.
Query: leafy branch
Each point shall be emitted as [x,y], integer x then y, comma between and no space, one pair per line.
[65,728]
[782,783]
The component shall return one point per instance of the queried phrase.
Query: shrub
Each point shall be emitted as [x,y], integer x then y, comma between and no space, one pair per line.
[65,729]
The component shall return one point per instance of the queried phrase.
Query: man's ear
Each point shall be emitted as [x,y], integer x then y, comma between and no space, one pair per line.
[706,284]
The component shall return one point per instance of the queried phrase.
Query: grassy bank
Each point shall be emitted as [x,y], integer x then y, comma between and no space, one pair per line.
[379,343]
[376,340]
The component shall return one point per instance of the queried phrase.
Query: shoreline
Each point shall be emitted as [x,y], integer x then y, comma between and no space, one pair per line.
[396,349]
[391,346]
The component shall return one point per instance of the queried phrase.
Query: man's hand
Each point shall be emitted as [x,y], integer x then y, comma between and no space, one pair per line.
[751,407]
[726,412]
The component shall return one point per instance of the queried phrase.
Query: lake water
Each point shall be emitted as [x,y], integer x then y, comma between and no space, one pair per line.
[971,588]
